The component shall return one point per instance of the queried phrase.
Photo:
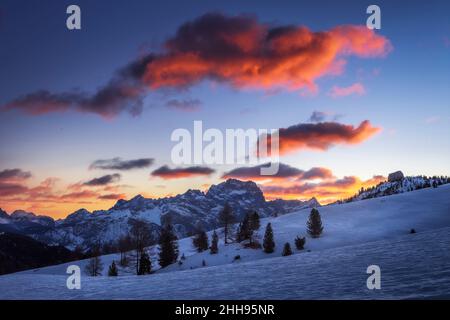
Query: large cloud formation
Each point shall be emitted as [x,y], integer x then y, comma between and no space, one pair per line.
[246,53]
[238,50]
[320,136]
[119,164]
[177,173]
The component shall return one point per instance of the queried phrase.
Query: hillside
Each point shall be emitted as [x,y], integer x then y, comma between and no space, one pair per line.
[345,225]
[18,252]
[338,273]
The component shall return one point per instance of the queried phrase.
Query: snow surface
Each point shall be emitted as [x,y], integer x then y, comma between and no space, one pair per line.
[356,235]
[412,266]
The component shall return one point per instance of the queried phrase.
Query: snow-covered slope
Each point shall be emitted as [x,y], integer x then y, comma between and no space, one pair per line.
[356,235]
[412,266]
[344,225]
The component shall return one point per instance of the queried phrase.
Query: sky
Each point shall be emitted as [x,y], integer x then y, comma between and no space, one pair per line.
[86,115]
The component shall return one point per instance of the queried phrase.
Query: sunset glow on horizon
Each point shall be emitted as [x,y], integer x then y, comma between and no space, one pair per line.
[86,117]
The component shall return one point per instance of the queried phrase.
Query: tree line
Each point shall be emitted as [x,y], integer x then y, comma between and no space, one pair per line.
[245,233]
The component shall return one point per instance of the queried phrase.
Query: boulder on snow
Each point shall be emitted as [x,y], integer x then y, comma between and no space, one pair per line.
[395,176]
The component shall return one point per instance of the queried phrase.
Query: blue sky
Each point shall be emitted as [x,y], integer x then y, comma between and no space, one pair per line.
[406,92]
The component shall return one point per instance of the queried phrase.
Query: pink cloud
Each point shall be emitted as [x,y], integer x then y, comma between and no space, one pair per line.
[356,88]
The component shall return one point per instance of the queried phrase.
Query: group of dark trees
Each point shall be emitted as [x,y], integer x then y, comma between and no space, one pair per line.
[136,242]
[247,228]
[201,242]
[139,238]
[314,229]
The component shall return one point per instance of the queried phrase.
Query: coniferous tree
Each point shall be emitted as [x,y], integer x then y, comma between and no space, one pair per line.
[300,243]
[286,250]
[244,231]
[112,271]
[200,241]
[254,221]
[314,224]
[268,242]
[145,265]
[214,243]
[168,246]
[226,218]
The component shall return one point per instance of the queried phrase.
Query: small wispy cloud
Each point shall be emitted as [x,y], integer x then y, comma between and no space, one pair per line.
[355,89]
[189,105]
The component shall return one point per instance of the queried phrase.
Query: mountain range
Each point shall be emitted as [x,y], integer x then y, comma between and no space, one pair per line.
[188,212]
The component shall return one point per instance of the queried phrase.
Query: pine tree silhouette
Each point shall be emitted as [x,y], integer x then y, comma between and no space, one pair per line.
[214,243]
[268,243]
[200,241]
[287,250]
[145,265]
[112,271]
[314,224]
[254,221]
[244,231]
[168,246]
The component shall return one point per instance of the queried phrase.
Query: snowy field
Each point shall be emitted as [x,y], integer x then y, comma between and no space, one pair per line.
[412,266]
[356,235]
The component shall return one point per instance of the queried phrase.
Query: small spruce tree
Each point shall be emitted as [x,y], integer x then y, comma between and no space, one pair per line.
[254,221]
[200,241]
[314,224]
[268,242]
[286,250]
[145,265]
[168,246]
[244,231]
[112,271]
[214,243]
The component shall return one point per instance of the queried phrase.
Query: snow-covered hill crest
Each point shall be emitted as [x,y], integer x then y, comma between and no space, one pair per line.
[396,186]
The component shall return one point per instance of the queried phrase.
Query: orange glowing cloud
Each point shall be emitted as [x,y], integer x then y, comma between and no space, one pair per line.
[55,200]
[236,50]
[245,53]
[320,136]
[325,191]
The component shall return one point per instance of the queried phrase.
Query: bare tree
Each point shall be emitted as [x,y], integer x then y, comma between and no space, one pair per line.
[94,267]
[140,238]
[124,245]
[226,218]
